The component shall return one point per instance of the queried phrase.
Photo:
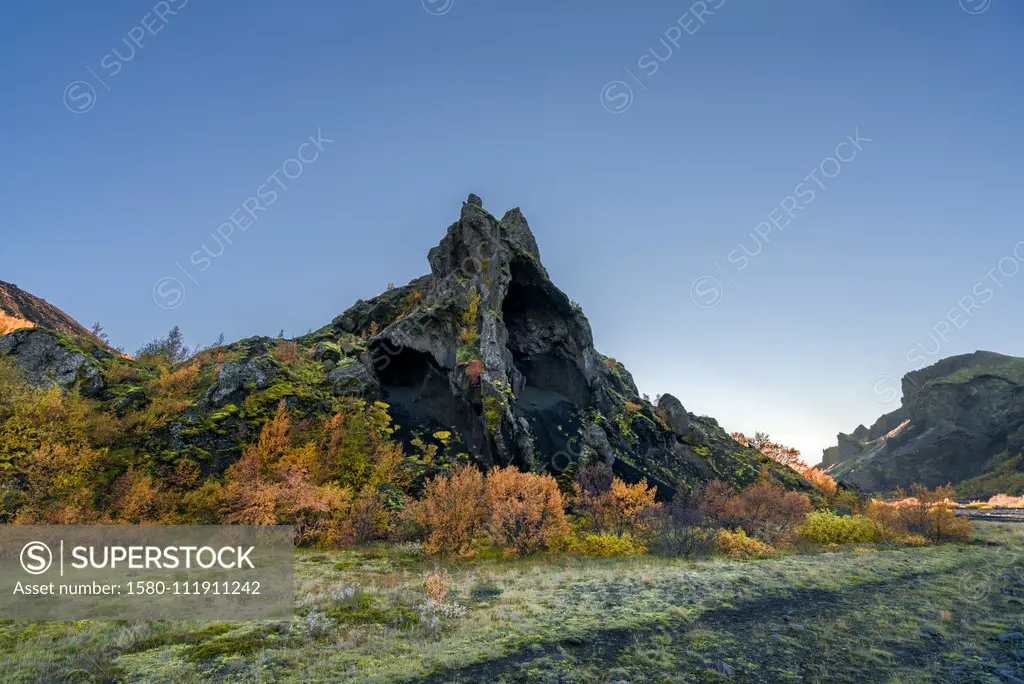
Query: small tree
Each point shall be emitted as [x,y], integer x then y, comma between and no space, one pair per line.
[172,348]
[607,504]
[97,330]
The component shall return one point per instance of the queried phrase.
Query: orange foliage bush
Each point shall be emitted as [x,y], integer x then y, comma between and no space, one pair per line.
[1004,501]
[452,512]
[287,353]
[822,481]
[525,511]
[928,513]
[271,485]
[436,584]
[780,453]
[764,510]
[136,498]
[607,504]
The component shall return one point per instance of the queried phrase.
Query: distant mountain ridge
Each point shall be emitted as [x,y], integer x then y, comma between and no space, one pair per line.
[20,309]
[961,422]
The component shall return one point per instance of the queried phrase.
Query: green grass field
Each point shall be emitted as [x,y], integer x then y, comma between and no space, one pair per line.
[952,612]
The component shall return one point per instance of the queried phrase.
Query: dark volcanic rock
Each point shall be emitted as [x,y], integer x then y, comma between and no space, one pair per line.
[46,359]
[674,413]
[355,379]
[487,346]
[238,377]
[957,417]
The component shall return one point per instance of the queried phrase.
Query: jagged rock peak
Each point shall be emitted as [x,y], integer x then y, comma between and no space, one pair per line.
[487,346]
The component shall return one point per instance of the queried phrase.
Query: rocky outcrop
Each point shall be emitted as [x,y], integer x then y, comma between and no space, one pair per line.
[487,346]
[47,358]
[957,418]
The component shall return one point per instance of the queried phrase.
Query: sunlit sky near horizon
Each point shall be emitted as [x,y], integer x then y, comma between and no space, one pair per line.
[663,153]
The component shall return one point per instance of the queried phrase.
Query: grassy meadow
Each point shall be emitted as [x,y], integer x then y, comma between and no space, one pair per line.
[860,613]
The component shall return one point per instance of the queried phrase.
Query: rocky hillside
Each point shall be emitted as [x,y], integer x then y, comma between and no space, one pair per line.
[485,348]
[961,422]
[19,309]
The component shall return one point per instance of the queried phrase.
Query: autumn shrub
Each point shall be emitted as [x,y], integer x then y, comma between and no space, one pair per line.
[452,513]
[121,372]
[607,504]
[287,353]
[825,527]
[764,510]
[356,448]
[683,529]
[590,485]
[55,483]
[929,515]
[177,383]
[525,511]
[469,333]
[137,498]
[603,544]
[436,584]
[944,523]
[632,407]
[736,544]
[822,481]
[271,484]
[780,453]
[369,518]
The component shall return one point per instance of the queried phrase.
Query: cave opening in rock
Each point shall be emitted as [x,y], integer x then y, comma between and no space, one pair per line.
[541,337]
[419,394]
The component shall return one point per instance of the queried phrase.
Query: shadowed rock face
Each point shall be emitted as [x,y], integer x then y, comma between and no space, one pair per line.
[956,416]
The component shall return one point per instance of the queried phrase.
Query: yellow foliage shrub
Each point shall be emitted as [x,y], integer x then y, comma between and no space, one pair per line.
[825,527]
[737,544]
[603,544]
[453,513]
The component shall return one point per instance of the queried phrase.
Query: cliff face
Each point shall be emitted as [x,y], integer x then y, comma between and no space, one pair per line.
[959,419]
[485,347]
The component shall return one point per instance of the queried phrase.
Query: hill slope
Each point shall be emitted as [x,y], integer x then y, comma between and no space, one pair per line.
[961,422]
[485,348]
[19,309]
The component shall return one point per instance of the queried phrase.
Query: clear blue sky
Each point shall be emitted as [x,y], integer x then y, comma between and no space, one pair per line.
[427,101]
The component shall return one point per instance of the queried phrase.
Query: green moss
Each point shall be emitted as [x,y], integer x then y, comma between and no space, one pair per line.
[224,413]
[625,423]
[164,637]
[229,646]
[492,414]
